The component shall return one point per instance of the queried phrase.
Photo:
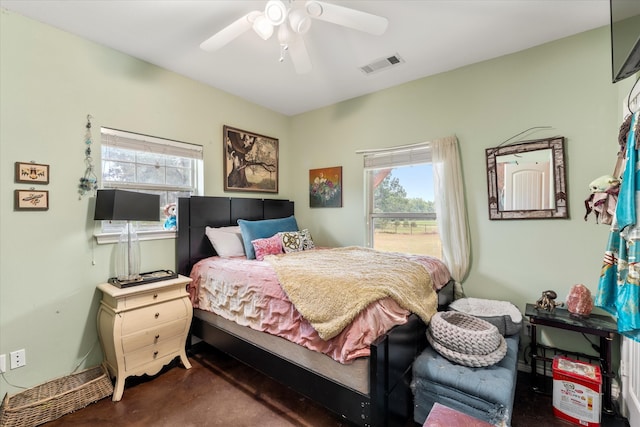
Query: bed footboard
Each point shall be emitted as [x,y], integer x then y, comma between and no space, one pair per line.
[392,357]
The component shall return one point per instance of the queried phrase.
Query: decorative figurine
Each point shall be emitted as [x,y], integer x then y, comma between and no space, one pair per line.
[547,301]
[170,212]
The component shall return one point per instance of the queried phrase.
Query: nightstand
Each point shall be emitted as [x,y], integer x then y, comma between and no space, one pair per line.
[603,326]
[142,328]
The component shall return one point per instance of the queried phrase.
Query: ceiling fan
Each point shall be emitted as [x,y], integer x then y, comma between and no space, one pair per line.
[291,23]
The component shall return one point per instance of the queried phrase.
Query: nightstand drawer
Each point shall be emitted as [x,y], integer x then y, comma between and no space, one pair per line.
[152,336]
[153,297]
[152,353]
[153,316]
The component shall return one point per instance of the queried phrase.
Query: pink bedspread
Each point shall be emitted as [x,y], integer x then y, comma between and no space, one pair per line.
[248,293]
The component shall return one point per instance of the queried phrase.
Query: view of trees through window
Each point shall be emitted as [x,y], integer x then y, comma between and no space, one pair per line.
[404,214]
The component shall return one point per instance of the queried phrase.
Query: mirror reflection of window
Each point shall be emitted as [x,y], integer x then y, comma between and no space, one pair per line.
[525,181]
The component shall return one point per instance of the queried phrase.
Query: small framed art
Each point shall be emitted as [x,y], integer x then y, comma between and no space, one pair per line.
[31,200]
[250,161]
[32,173]
[325,187]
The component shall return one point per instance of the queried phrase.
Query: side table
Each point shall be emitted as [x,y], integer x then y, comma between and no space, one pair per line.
[604,327]
[144,327]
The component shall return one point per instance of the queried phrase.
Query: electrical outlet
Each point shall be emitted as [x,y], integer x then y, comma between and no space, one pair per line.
[18,359]
[3,363]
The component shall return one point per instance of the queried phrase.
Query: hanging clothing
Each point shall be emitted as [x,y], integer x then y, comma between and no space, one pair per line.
[619,284]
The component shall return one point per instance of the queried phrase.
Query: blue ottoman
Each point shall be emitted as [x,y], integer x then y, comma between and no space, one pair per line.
[484,393]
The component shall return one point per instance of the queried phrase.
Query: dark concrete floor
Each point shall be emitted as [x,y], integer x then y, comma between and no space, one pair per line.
[218,391]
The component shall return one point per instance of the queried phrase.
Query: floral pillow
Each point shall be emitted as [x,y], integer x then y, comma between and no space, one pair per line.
[295,241]
[268,246]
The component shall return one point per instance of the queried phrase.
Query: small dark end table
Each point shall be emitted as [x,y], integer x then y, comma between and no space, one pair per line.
[602,326]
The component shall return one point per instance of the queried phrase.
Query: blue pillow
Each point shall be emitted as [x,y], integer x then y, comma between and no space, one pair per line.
[252,230]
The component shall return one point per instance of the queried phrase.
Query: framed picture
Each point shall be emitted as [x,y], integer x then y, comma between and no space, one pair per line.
[32,173]
[325,187]
[250,161]
[31,200]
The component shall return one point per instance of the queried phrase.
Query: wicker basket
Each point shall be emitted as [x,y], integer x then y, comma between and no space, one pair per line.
[51,400]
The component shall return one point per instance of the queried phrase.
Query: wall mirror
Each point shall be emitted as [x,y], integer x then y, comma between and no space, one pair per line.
[527,180]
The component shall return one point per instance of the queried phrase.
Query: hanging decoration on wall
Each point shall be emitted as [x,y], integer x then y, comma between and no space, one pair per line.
[89,182]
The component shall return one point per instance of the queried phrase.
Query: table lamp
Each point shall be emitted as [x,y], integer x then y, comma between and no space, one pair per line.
[117,205]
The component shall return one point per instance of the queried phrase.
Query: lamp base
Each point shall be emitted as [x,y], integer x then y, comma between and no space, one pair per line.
[145,278]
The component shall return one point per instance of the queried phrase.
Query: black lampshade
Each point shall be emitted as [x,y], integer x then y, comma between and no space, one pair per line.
[127,205]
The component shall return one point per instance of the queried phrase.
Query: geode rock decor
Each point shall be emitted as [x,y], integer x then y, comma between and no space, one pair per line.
[579,301]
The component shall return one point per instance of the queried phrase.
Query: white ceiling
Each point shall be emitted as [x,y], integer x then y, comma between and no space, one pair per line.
[431,36]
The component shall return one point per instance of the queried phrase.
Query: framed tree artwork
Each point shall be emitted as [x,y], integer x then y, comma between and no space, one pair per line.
[325,187]
[250,161]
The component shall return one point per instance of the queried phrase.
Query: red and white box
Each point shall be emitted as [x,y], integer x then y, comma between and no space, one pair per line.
[577,388]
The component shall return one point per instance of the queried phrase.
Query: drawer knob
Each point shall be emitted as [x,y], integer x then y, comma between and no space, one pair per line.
[155,354]
[157,337]
[157,315]
[155,296]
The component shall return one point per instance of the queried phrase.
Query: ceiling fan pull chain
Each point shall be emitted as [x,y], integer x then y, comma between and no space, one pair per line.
[283,51]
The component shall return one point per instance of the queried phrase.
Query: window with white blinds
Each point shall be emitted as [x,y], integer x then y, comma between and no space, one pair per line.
[400,200]
[136,162]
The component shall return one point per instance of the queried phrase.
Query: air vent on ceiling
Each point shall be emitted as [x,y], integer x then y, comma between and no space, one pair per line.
[382,64]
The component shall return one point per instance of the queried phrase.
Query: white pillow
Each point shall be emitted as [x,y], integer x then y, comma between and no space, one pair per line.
[227,241]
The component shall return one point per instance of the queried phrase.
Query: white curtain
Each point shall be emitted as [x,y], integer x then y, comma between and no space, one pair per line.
[451,211]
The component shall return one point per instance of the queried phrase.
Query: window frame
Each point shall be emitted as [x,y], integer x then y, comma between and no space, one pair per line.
[390,158]
[146,143]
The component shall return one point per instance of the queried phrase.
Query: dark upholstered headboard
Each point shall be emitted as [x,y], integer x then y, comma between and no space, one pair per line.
[196,213]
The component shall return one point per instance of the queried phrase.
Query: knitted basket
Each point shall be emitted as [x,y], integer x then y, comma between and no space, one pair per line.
[465,339]
[503,314]
[464,333]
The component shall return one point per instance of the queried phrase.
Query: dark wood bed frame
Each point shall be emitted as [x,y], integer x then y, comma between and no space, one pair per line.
[389,401]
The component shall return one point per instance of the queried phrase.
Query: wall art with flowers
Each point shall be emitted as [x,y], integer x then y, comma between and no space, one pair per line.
[325,187]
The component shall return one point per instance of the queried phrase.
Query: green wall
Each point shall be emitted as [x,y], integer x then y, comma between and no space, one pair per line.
[50,80]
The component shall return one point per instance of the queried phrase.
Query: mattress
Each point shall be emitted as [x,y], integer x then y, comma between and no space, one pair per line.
[248,293]
[354,375]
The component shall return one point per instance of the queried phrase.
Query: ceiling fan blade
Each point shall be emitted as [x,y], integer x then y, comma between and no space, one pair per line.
[230,32]
[347,17]
[299,56]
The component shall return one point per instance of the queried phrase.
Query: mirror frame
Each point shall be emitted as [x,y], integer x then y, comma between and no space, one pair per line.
[556,144]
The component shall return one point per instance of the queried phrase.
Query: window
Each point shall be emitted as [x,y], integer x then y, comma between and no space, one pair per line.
[401,214]
[152,165]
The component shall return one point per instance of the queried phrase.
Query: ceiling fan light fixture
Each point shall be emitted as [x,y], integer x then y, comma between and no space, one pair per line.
[314,8]
[299,21]
[263,27]
[276,12]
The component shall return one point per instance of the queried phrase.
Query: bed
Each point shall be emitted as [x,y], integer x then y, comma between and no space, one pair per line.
[368,391]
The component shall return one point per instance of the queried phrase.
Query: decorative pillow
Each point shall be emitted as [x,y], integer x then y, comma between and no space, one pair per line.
[294,241]
[227,241]
[269,246]
[252,230]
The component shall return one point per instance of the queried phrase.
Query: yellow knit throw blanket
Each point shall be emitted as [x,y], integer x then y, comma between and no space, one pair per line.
[329,287]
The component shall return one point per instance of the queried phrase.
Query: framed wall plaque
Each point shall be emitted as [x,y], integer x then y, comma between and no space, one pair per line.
[31,200]
[33,173]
